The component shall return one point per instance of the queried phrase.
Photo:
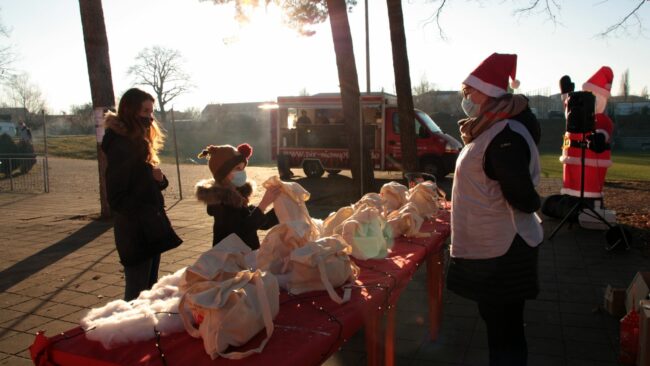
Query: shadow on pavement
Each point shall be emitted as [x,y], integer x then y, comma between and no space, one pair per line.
[37,261]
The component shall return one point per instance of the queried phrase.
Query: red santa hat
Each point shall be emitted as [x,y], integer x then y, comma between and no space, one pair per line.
[491,76]
[600,82]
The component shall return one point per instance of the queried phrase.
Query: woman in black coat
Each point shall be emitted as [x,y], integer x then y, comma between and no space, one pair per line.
[134,184]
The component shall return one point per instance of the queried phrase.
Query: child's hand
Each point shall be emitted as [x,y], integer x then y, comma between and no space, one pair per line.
[269,196]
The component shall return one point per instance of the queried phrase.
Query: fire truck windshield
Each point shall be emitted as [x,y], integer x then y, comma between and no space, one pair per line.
[432,126]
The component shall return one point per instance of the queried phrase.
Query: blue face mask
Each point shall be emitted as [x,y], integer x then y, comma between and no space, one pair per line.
[470,108]
[239,178]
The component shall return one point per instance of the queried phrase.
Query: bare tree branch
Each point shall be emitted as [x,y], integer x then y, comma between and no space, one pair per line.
[161,69]
[436,17]
[7,55]
[622,24]
[25,94]
[550,7]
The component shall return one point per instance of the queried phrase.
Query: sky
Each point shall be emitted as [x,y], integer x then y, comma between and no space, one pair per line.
[229,62]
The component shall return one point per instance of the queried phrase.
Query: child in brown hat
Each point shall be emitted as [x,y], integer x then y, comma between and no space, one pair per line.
[227,195]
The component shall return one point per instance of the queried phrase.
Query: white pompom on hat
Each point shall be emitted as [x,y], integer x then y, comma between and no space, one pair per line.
[491,76]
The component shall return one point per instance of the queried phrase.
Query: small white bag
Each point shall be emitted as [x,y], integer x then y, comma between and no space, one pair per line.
[393,196]
[406,221]
[335,219]
[231,312]
[279,242]
[322,265]
[425,196]
[364,232]
[372,200]
[290,204]
[219,263]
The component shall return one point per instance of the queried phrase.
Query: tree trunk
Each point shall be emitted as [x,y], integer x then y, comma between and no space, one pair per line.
[163,114]
[101,82]
[403,86]
[161,104]
[349,84]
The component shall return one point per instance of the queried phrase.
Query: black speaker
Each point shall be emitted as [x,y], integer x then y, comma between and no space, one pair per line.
[580,112]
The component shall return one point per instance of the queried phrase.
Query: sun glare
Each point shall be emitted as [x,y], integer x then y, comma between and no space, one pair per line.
[263,31]
[274,58]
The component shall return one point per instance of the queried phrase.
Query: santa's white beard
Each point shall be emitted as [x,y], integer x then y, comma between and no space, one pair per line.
[601,103]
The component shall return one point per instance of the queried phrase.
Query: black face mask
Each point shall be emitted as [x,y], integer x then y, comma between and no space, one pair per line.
[146,121]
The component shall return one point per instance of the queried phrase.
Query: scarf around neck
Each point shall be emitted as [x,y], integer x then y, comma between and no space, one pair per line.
[494,110]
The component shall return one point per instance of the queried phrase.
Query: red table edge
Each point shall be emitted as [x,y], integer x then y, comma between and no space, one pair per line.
[379,327]
[376,330]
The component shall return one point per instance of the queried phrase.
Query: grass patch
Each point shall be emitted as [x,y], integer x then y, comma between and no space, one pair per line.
[626,166]
[551,166]
[74,146]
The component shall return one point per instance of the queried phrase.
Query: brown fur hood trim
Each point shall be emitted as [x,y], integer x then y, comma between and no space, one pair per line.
[111,121]
[211,193]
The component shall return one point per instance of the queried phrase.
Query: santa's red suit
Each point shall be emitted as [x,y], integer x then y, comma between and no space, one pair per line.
[596,164]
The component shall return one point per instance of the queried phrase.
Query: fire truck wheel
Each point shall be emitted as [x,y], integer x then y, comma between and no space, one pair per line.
[313,169]
[434,167]
[333,171]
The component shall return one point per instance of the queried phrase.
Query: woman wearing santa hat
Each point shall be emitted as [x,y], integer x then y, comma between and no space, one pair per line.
[495,232]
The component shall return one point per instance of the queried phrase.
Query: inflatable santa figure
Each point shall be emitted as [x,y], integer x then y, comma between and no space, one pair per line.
[597,154]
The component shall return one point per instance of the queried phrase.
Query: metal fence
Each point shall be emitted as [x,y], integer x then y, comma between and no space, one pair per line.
[23,173]
[544,101]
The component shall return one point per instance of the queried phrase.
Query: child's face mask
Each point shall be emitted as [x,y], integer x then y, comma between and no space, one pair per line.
[239,178]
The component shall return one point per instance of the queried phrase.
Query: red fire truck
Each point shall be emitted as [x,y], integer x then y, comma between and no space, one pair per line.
[308,132]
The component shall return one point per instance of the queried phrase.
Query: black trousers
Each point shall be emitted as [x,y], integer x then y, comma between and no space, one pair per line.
[140,277]
[505,331]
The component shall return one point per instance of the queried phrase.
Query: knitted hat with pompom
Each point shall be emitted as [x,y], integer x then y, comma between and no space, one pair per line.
[223,158]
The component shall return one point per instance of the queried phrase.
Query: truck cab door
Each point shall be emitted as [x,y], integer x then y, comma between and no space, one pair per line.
[393,139]
[393,152]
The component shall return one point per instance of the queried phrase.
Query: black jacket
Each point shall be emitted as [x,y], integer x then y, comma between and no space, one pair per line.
[232,214]
[141,226]
[507,159]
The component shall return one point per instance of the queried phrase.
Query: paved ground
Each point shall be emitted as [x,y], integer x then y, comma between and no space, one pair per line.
[57,262]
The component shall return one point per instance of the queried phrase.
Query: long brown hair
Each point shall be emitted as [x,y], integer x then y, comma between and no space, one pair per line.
[128,113]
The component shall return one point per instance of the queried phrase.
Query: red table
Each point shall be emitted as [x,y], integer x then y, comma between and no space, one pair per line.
[309,327]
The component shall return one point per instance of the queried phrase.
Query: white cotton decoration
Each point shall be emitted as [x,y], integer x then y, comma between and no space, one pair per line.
[120,322]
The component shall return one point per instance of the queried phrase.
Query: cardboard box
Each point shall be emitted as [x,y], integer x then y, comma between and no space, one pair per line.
[638,290]
[643,355]
[614,302]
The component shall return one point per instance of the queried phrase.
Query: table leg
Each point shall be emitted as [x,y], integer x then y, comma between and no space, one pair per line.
[374,337]
[389,337]
[435,280]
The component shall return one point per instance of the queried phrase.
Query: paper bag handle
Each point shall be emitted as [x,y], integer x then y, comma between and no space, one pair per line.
[186,315]
[266,316]
[347,292]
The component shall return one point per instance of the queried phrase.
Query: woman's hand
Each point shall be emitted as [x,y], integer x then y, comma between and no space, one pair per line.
[269,196]
[157,174]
